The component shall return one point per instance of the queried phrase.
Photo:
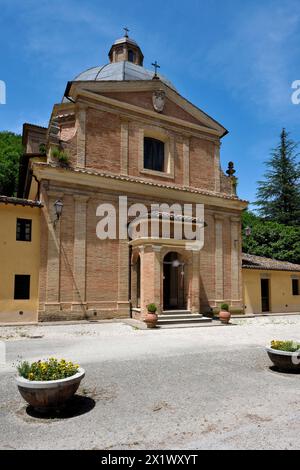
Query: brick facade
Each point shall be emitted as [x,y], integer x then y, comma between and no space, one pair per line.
[103,131]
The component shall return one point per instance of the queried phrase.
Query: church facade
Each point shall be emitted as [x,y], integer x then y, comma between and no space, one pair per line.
[124,131]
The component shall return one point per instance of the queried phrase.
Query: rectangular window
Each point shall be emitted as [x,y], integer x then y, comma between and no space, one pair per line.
[22,287]
[24,230]
[154,154]
[295,285]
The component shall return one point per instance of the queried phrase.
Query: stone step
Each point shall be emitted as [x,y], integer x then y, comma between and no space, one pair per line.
[177,312]
[188,325]
[179,316]
[188,320]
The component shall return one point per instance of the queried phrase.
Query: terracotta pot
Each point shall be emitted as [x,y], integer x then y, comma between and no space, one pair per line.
[151,320]
[284,360]
[49,395]
[224,316]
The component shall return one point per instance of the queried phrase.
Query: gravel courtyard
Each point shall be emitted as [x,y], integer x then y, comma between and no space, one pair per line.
[195,388]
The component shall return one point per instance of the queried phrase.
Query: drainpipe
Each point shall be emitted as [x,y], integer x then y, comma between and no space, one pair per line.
[39,186]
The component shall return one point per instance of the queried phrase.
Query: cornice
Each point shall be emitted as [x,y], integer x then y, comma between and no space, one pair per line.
[127,184]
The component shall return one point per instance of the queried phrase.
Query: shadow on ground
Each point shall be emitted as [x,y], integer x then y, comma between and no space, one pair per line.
[284,372]
[76,406]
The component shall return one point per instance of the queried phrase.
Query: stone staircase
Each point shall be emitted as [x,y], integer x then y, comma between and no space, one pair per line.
[181,318]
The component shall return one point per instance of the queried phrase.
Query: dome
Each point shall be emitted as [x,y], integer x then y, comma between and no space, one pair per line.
[120,71]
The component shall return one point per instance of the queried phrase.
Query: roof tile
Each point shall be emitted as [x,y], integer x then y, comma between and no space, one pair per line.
[260,262]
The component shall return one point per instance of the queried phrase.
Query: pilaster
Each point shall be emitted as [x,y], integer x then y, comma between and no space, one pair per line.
[79,261]
[53,255]
[124,147]
[81,136]
[236,287]
[219,274]
[217,167]
[186,162]
[195,283]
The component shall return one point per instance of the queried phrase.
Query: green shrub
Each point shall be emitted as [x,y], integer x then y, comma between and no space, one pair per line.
[42,149]
[63,158]
[51,369]
[152,308]
[289,346]
[55,152]
[60,155]
[225,307]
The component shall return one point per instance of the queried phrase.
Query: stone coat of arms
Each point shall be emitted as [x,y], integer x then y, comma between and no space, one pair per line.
[159,100]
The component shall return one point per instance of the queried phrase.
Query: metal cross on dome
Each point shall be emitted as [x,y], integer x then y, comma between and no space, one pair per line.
[156,66]
[126,32]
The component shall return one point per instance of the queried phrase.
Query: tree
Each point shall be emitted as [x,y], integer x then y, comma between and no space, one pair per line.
[278,197]
[10,152]
[271,239]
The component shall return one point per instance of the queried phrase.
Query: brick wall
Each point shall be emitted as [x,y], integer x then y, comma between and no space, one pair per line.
[144,100]
[202,164]
[103,141]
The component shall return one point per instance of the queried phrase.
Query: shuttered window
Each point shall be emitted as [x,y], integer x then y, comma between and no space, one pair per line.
[23,231]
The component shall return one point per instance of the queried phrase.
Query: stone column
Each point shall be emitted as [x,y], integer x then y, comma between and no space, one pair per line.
[124,147]
[150,277]
[217,167]
[81,125]
[79,254]
[52,304]
[219,272]
[157,277]
[186,162]
[236,287]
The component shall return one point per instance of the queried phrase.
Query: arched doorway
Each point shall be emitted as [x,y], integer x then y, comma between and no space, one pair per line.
[173,282]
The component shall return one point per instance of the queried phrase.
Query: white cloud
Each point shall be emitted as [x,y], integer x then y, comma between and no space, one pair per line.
[57,34]
[258,61]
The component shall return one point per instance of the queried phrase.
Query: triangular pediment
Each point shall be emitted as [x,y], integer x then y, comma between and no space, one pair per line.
[139,94]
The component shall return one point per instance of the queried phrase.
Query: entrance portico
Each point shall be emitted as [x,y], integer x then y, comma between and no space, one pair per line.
[164,272]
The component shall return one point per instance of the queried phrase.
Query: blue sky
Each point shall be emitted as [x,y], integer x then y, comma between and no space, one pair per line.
[235,59]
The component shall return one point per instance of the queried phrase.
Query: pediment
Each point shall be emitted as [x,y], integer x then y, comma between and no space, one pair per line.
[140,95]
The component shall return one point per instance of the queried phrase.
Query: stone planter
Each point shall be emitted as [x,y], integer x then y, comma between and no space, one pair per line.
[151,320]
[224,316]
[284,360]
[49,395]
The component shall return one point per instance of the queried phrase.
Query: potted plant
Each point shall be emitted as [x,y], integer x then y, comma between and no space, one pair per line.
[151,316]
[285,355]
[47,385]
[224,314]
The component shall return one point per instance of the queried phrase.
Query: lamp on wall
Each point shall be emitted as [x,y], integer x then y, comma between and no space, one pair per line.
[176,263]
[58,207]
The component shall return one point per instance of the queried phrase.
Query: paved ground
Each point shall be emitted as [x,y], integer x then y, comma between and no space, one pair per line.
[198,388]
